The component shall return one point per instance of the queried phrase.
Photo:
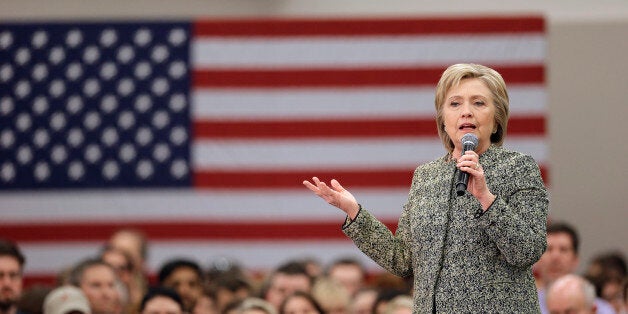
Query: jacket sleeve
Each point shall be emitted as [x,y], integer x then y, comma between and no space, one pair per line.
[375,240]
[516,221]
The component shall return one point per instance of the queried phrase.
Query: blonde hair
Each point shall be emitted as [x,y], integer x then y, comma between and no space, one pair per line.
[452,76]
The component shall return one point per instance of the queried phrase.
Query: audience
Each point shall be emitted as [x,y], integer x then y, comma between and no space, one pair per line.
[66,300]
[11,271]
[349,272]
[570,294]
[109,284]
[97,280]
[284,281]
[161,300]
[560,259]
[300,302]
[186,278]
[332,296]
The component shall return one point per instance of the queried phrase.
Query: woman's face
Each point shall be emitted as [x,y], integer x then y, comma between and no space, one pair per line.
[469,108]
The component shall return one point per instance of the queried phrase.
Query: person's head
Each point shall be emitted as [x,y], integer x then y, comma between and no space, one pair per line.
[561,256]
[300,302]
[229,287]
[570,294]
[471,98]
[98,281]
[185,277]
[607,272]
[363,301]
[332,296]
[119,260]
[349,272]
[252,305]
[384,297]
[399,305]
[133,242]
[285,280]
[66,300]
[11,272]
[161,300]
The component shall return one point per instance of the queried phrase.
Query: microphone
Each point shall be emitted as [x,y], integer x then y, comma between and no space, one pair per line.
[469,142]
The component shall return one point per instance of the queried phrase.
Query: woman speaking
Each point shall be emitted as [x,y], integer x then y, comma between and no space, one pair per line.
[472,251]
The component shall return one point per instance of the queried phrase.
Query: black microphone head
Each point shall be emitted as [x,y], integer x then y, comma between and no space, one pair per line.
[469,142]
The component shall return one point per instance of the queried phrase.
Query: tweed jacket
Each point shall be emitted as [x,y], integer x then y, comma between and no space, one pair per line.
[464,260]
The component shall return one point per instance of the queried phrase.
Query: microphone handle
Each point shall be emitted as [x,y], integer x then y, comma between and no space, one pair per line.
[463,177]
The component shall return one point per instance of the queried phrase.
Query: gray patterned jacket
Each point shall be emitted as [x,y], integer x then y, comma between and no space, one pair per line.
[464,261]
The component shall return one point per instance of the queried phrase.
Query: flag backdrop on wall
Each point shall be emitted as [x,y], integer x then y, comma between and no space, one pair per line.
[200,133]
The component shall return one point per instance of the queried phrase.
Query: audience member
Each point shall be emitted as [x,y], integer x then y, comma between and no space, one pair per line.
[11,272]
[399,305]
[161,300]
[130,294]
[97,280]
[570,294]
[332,296]
[186,278]
[252,305]
[66,300]
[349,272]
[384,296]
[285,280]
[300,302]
[560,259]
[135,244]
[32,299]
[363,301]
[206,303]
[607,272]
[229,287]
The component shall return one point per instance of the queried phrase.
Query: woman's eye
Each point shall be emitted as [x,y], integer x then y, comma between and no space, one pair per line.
[454,104]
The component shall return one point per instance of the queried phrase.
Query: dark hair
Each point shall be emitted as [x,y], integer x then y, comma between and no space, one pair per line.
[301,294]
[290,268]
[562,227]
[76,273]
[347,261]
[168,268]
[154,292]
[9,248]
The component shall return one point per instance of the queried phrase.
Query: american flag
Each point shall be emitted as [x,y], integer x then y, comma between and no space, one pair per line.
[200,132]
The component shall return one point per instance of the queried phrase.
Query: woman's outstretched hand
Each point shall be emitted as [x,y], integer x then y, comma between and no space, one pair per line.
[335,195]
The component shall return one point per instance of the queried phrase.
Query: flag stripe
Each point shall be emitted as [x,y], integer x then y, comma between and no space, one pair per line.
[534,125]
[369,52]
[180,230]
[305,104]
[166,205]
[360,27]
[324,153]
[361,178]
[338,78]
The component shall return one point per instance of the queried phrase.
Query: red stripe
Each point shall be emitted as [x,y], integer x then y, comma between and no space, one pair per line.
[181,230]
[338,78]
[368,178]
[370,26]
[527,126]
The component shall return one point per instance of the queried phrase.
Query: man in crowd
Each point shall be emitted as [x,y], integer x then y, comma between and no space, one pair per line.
[98,282]
[560,259]
[11,270]
[571,294]
[284,281]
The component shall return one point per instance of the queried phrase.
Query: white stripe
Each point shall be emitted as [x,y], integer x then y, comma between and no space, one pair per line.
[350,51]
[333,153]
[50,259]
[298,204]
[256,104]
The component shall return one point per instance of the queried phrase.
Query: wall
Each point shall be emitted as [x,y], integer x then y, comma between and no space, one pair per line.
[587,84]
